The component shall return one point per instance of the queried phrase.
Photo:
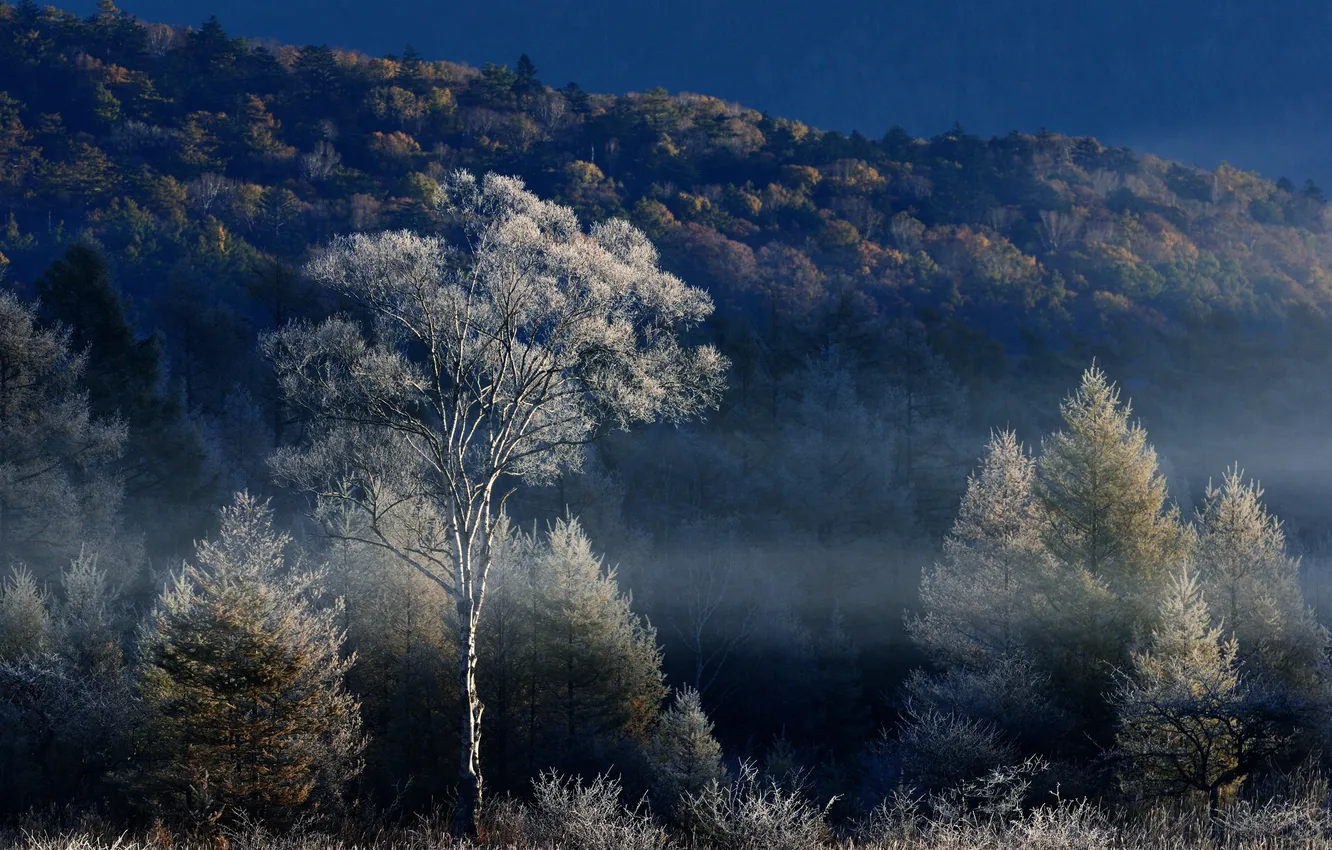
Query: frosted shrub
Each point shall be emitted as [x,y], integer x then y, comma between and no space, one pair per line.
[755,814]
[590,817]
[938,751]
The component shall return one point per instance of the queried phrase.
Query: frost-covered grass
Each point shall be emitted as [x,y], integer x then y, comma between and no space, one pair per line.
[750,814]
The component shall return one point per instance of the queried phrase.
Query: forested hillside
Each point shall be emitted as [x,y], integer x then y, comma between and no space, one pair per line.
[882,305]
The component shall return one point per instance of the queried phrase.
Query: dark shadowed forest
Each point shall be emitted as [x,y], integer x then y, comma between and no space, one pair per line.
[393,449]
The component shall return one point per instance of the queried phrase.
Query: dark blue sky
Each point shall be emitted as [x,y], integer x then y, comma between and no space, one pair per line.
[1198,81]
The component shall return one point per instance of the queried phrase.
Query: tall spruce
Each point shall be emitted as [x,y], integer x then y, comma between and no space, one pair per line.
[163,464]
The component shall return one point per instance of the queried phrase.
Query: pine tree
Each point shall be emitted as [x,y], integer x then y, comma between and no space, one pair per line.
[1254,585]
[245,677]
[1187,719]
[684,757]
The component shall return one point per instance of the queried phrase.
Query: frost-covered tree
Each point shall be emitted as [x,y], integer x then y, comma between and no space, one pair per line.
[936,751]
[1103,499]
[163,463]
[404,676]
[87,619]
[56,481]
[1104,519]
[980,601]
[605,659]
[1188,722]
[243,672]
[683,756]
[25,622]
[476,361]
[63,731]
[66,709]
[1009,692]
[573,676]
[1253,585]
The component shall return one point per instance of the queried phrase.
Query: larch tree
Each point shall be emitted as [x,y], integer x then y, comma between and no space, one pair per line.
[603,663]
[25,622]
[244,674]
[66,709]
[88,619]
[683,756]
[1102,497]
[573,676]
[978,603]
[1253,585]
[477,360]
[1188,722]
[1104,518]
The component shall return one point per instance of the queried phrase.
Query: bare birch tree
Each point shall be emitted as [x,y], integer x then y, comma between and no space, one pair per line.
[479,360]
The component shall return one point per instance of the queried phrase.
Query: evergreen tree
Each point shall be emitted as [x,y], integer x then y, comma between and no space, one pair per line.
[1188,722]
[526,83]
[1102,498]
[245,677]
[87,619]
[58,484]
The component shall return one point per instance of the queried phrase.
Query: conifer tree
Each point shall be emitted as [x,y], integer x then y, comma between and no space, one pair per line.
[978,603]
[57,482]
[66,710]
[25,623]
[163,463]
[1104,519]
[606,660]
[87,619]
[1102,498]
[1254,586]
[1188,722]
[245,677]
[684,757]
[575,675]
